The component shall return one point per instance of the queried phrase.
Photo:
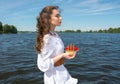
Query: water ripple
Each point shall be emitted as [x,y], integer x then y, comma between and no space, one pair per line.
[97,61]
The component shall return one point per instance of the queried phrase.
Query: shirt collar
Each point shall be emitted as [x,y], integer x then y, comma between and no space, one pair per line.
[52,33]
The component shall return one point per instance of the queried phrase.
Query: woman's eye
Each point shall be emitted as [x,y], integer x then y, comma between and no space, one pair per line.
[58,16]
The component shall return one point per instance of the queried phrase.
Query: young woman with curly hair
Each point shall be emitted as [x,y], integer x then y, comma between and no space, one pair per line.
[50,48]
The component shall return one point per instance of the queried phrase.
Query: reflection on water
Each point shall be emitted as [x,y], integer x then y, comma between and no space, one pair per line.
[97,61]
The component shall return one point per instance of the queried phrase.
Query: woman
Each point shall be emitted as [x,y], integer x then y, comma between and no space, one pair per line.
[50,48]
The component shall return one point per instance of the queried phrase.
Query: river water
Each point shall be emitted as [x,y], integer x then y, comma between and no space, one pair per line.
[97,61]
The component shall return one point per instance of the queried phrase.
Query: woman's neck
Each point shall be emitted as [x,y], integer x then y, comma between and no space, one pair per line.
[52,28]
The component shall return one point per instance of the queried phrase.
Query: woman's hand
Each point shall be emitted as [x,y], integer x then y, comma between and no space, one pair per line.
[69,55]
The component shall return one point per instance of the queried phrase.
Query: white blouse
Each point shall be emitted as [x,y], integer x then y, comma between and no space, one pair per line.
[53,46]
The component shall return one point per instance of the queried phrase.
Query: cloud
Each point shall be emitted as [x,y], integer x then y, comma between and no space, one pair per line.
[10,5]
[93,7]
[86,2]
[18,10]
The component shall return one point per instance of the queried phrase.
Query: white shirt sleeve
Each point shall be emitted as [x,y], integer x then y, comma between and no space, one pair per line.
[44,60]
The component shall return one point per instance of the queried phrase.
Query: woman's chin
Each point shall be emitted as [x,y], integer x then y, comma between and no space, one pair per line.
[59,25]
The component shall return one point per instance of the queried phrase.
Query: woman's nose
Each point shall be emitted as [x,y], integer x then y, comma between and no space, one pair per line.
[60,18]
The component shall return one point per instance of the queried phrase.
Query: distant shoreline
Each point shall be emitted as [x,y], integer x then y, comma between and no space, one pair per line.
[110,30]
[26,32]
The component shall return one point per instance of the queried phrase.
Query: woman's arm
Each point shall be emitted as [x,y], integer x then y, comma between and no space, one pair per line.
[63,55]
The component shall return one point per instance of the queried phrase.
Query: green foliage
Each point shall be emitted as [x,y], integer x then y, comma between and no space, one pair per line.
[110,30]
[69,31]
[9,29]
[1,27]
[6,28]
[78,30]
[13,29]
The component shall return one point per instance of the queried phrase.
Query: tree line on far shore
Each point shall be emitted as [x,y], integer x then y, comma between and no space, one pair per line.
[110,30]
[12,29]
[6,29]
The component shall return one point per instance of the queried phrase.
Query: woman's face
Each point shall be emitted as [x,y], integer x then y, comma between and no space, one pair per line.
[56,19]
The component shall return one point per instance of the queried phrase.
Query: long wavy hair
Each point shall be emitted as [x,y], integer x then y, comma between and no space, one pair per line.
[43,26]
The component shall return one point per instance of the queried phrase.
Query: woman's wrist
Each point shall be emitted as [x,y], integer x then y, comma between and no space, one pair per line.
[62,55]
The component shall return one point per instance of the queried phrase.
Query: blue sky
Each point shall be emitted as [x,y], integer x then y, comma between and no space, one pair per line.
[76,14]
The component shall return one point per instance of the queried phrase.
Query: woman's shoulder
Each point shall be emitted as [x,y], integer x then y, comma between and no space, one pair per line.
[47,37]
